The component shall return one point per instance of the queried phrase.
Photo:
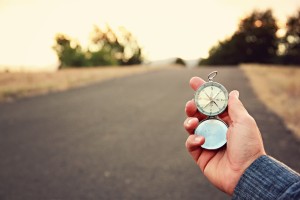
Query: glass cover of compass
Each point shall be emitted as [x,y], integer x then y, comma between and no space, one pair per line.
[211,99]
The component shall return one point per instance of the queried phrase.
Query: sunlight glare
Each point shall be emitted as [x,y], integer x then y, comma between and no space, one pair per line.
[164,29]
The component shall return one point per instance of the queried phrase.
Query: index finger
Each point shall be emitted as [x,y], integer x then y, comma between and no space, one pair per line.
[196,82]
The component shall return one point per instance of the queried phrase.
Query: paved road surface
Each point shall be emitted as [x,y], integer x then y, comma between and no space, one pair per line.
[119,139]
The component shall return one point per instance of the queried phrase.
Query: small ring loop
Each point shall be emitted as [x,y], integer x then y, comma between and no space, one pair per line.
[212,75]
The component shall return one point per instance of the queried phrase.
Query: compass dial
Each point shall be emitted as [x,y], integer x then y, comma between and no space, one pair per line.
[211,98]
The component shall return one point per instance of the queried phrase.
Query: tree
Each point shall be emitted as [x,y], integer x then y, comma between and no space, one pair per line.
[227,52]
[69,52]
[292,40]
[132,52]
[106,47]
[110,47]
[180,61]
[259,31]
[254,41]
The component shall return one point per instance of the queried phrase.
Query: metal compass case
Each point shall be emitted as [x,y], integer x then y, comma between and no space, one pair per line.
[211,100]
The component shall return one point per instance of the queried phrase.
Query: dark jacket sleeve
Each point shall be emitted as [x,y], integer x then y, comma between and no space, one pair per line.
[267,178]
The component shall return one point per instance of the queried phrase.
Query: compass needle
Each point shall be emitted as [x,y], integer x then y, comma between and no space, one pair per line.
[207,95]
[207,104]
[217,94]
[216,105]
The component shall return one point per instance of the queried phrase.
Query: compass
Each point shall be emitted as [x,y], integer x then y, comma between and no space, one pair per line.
[211,100]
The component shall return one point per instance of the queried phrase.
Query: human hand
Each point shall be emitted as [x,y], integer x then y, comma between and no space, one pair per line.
[224,167]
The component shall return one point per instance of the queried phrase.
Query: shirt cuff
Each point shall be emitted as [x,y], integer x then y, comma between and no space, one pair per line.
[265,178]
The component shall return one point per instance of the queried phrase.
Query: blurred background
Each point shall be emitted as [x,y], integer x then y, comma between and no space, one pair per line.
[92,92]
[189,30]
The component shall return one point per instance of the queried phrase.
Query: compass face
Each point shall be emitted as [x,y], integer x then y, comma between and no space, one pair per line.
[211,98]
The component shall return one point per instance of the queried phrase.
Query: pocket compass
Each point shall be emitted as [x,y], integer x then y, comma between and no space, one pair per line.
[211,100]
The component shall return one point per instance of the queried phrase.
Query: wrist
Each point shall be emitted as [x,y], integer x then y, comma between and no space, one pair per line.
[266,178]
[239,171]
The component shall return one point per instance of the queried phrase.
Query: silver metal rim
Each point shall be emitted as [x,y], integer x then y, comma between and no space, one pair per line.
[207,84]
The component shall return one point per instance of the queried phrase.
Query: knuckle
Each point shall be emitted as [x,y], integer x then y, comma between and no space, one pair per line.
[247,119]
[185,123]
[188,143]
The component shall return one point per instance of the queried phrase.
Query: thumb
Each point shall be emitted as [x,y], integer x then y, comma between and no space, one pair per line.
[236,109]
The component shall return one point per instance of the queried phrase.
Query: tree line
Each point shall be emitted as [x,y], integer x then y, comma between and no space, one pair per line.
[256,41]
[106,47]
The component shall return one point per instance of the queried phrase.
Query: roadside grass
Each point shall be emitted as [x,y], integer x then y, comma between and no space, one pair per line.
[20,84]
[279,88]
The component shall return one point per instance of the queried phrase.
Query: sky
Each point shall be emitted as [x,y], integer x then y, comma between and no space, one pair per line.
[163,28]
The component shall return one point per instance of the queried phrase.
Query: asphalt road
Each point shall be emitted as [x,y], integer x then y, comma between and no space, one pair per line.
[119,139]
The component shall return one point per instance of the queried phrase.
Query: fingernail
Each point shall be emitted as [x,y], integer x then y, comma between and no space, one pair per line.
[198,139]
[235,93]
[189,121]
[187,103]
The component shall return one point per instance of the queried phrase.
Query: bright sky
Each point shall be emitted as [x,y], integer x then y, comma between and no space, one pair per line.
[164,28]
